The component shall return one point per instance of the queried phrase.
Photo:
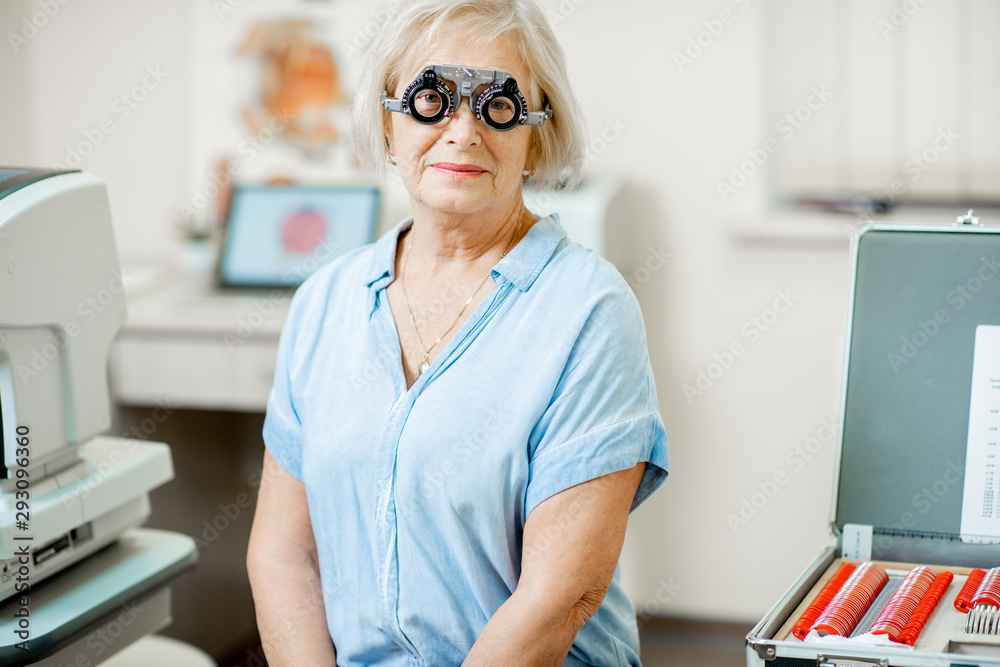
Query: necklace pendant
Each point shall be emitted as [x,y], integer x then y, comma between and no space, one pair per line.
[423,367]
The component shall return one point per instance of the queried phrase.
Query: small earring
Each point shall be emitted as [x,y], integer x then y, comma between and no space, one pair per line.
[526,174]
[388,158]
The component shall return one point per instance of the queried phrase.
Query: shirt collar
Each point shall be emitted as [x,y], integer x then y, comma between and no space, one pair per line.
[383,264]
[521,265]
[527,259]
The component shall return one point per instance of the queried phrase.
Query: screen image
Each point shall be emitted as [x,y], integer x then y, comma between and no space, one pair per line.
[7,174]
[281,235]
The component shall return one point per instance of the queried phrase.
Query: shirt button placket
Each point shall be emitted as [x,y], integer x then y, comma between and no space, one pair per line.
[385,522]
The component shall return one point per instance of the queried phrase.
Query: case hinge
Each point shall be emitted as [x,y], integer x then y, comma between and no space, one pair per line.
[764,651]
[847,661]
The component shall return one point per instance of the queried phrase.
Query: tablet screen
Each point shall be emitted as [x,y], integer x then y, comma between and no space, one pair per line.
[278,236]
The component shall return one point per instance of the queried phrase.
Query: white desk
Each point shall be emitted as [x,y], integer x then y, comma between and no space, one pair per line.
[89,612]
[187,345]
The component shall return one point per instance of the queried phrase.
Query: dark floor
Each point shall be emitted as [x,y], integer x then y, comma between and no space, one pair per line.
[664,643]
[217,460]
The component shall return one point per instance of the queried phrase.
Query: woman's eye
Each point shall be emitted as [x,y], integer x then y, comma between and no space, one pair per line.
[428,102]
[500,110]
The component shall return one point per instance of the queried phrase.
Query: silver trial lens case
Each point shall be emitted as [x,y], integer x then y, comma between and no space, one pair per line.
[920,408]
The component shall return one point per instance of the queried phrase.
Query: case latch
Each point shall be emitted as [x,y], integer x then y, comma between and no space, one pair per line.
[845,661]
[967,219]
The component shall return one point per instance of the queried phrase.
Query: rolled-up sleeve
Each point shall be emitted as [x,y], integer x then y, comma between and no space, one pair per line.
[604,416]
[282,426]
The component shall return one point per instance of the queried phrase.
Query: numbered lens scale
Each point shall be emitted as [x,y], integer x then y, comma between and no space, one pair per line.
[919,430]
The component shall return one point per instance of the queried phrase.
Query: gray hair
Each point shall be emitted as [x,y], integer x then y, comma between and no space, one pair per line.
[556,147]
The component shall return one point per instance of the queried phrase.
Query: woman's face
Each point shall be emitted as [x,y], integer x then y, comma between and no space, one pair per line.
[460,165]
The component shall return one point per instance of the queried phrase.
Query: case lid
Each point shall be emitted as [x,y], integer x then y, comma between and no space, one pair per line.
[919,295]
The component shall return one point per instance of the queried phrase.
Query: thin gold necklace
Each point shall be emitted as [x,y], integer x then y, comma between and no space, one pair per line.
[425,364]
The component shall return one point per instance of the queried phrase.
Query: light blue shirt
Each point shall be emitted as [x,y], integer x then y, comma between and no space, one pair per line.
[418,497]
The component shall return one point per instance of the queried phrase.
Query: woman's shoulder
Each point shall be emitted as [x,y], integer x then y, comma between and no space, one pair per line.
[330,275]
[580,273]
[353,263]
[580,289]
[339,281]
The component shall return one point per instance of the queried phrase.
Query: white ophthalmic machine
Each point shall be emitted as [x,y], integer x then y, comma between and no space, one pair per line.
[71,553]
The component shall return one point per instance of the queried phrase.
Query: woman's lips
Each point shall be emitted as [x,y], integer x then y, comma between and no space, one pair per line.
[458,170]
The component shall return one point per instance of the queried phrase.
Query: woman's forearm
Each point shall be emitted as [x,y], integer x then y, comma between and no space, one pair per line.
[526,632]
[291,617]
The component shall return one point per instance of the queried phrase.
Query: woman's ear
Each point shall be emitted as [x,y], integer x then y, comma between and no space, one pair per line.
[534,149]
[389,148]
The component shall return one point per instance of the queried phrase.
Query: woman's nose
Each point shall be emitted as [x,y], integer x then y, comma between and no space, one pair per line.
[462,127]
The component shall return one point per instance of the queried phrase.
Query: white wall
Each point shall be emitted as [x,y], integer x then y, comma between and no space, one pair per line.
[680,132]
[686,128]
[79,64]
[15,113]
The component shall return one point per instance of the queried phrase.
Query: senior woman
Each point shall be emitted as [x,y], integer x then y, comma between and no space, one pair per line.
[463,413]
